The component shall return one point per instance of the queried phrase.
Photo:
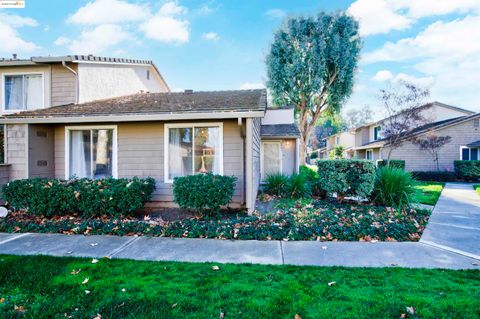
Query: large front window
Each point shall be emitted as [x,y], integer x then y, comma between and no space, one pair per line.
[470,153]
[193,149]
[91,152]
[23,91]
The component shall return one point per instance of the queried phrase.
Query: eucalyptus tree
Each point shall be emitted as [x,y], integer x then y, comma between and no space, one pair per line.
[311,65]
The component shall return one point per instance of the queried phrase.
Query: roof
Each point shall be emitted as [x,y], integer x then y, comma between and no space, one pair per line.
[152,106]
[279,130]
[427,127]
[70,58]
[474,144]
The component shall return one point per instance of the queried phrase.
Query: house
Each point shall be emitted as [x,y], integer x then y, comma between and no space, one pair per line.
[345,139]
[460,124]
[151,133]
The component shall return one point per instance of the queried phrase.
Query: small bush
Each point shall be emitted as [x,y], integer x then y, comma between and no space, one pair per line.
[393,163]
[204,193]
[434,176]
[298,186]
[394,187]
[346,177]
[313,155]
[314,180]
[88,197]
[276,184]
[467,170]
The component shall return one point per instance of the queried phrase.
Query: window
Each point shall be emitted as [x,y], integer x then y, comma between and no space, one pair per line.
[192,149]
[369,155]
[469,153]
[377,133]
[23,91]
[148,74]
[271,158]
[91,152]
[337,140]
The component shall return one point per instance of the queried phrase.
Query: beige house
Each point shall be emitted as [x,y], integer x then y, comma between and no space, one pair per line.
[140,129]
[460,124]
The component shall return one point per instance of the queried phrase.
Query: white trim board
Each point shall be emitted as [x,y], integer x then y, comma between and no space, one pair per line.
[192,125]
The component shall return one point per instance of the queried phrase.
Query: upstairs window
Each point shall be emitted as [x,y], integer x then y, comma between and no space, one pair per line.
[23,91]
[377,133]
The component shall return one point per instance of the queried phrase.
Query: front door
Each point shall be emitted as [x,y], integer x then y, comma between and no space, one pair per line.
[271,158]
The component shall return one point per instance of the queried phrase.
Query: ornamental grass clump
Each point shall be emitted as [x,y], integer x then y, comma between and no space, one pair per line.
[203,193]
[276,184]
[87,197]
[394,187]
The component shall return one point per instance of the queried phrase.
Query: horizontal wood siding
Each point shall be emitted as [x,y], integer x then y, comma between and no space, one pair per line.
[256,157]
[16,140]
[141,153]
[64,84]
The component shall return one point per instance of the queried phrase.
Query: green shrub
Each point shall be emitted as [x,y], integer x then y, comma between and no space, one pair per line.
[346,177]
[204,193]
[276,184]
[393,163]
[314,180]
[298,186]
[314,155]
[467,170]
[88,197]
[436,176]
[394,187]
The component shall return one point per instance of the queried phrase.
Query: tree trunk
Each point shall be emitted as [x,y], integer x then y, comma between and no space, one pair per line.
[303,150]
[436,162]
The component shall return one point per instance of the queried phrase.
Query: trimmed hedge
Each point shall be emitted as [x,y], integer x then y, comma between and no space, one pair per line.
[393,163]
[346,177]
[467,170]
[204,193]
[436,176]
[89,197]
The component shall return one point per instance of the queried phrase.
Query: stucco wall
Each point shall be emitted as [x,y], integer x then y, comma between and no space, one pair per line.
[45,70]
[141,153]
[100,81]
[278,116]
[417,160]
[16,144]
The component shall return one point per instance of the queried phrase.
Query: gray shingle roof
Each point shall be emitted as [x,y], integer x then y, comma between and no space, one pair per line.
[158,103]
[474,144]
[279,130]
[69,58]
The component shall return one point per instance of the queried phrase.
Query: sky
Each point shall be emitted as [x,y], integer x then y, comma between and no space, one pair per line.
[221,45]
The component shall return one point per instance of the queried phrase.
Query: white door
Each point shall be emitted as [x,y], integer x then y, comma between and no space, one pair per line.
[271,158]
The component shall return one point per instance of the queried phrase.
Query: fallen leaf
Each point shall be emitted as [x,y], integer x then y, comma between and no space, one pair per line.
[69,252]
[393,264]
[93,244]
[373,241]
[297,316]
[2,300]
[87,292]
[222,315]
[324,247]
[174,305]
[76,272]
[98,316]
[215,268]
[19,309]
[332,283]
[85,281]
[411,310]
[123,289]
[94,261]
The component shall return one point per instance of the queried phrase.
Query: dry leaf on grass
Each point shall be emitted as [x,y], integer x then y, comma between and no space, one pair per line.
[332,283]
[98,316]
[174,305]
[222,315]
[94,261]
[2,300]
[297,316]
[85,281]
[19,309]
[215,268]
[411,310]
[76,272]
[87,292]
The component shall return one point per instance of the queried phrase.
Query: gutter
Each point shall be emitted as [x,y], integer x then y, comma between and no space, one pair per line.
[64,64]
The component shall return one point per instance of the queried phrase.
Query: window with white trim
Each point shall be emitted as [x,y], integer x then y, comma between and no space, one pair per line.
[91,152]
[22,91]
[469,153]
[377,133]
[193,149]
[369,155]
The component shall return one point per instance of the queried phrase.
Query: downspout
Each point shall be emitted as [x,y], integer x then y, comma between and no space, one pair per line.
[76,79]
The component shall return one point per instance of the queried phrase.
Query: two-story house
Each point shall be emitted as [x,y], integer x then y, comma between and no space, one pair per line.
[95,117]
[443,120]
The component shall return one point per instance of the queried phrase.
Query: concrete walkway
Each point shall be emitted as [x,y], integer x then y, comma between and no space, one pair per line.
[455,221]
[451,240]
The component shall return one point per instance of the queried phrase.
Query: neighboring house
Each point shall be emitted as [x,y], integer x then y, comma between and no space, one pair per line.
[462,127]
[280,142]
[345,139]
[162,135]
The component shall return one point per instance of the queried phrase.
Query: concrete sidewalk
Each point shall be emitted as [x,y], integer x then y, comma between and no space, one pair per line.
[455,221]
[350,254]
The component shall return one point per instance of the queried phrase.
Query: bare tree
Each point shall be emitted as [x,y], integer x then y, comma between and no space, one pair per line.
[403,105]
[357,117]
[432,144]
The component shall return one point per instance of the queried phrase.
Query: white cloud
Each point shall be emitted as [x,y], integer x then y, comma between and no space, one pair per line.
[382,76]
[98,40]
[108,11]
[205,10]
[275,13]
[10,39]
[425,8]
[252,86]
[210,36]
[377,16]
[165,26]
[426,81]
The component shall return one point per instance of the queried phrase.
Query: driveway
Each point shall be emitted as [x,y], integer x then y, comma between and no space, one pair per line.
[455,221]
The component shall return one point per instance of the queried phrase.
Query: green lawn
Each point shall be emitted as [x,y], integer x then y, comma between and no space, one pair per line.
[49,287]
[429,192]
[477,188]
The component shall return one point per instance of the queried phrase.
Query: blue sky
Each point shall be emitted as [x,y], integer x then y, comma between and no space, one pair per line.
[216,45]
